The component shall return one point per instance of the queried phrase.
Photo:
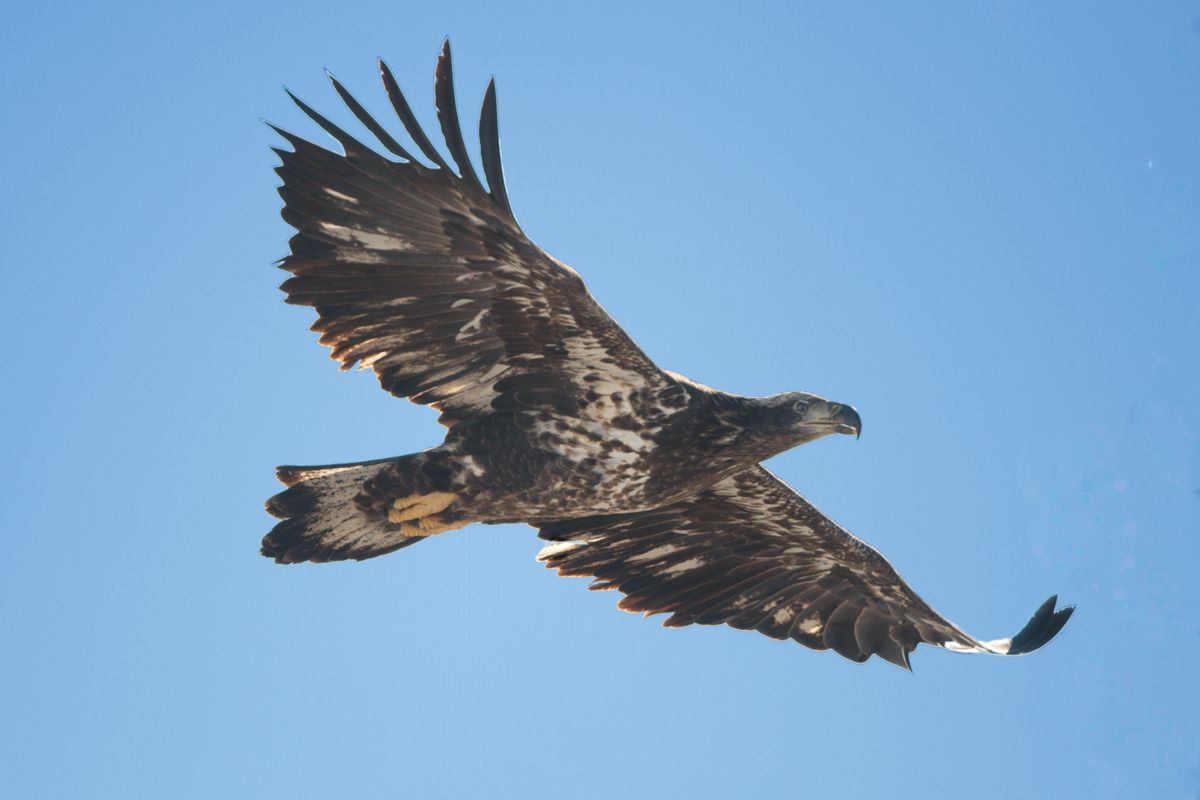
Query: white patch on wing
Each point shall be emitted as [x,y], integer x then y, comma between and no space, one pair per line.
[345,198]
[471,327]
[375,241]
[557,548]
[397,301]
[682,566]
[654,552]
[358,256]
[810,625]
[773,604]
[369,361]
[462,301]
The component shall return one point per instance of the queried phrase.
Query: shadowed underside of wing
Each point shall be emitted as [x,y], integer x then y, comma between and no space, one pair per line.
[753,554]
[422,273]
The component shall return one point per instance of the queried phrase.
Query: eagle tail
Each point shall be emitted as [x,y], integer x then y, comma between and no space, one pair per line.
[323,516]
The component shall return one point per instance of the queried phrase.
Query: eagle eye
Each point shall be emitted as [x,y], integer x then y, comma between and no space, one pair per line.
[801,407]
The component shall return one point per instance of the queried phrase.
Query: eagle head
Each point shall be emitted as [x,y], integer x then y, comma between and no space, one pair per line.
[806,417]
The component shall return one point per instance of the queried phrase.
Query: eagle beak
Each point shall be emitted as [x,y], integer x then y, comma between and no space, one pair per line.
[848,421]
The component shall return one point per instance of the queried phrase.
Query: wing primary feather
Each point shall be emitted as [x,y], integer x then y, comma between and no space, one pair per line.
[404,112]
[1043,626]
[349,143]
[447,112]
[292,139]
[368,121]
[489,148]
[838,632]
[891,651]
[871,632]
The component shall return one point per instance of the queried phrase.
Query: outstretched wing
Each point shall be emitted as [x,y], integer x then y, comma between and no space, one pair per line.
[752,553]
[424,276]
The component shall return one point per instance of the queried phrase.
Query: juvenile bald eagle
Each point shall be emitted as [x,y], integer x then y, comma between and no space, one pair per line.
[639,477]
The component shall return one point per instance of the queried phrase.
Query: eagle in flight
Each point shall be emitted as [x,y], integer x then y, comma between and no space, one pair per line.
[640,478]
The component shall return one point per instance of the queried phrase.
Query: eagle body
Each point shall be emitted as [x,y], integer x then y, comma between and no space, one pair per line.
[640,478]
[597,453]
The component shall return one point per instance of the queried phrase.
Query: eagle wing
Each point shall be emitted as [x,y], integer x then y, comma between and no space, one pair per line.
[424,275]
[752,553]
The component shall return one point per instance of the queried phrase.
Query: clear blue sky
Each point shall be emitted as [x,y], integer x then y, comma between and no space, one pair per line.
[980,224]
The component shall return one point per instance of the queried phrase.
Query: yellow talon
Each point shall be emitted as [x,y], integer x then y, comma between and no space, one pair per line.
[416,506]
[421,514]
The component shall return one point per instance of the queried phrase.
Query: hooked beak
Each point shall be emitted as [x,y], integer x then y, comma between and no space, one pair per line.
[847,419]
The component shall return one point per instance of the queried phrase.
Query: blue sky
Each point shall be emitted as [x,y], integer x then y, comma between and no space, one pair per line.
[978,224]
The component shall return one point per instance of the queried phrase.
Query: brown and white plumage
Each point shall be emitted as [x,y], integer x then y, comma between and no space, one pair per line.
[424,275]
[643,479]
[753,554]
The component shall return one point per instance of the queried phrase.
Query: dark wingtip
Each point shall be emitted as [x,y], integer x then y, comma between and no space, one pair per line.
[368,122]
[896,659]
[404,112]
[287,135]
[447,112]
[352,146]
[1043,626]
[489,148]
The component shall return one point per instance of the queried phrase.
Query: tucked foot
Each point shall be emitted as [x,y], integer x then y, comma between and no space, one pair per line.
[431,525]
[417,506]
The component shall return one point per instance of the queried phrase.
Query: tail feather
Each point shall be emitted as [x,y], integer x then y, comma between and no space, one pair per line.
[321,520]
[291,475]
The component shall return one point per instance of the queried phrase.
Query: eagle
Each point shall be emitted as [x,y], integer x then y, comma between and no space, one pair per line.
[638,477]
